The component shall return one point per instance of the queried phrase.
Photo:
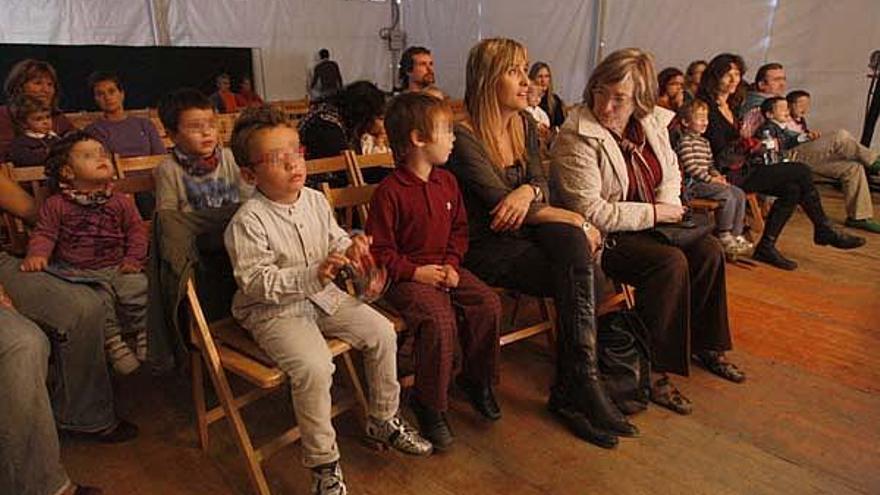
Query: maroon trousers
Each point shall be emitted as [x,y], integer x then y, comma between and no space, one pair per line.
[431,314]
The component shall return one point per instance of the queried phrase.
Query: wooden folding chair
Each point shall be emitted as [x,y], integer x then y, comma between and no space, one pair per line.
[223,347]
[338,163]
[351,200]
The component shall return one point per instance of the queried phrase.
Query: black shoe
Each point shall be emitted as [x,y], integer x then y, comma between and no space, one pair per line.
[594,403]
[87,490]
[433,426]
[578,423]
[482,399]
[770,255]
[840,240]
[122,432]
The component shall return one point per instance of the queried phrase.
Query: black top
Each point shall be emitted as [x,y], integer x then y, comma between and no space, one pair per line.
[557,117]
[483,184]
[724,139]
[327,77]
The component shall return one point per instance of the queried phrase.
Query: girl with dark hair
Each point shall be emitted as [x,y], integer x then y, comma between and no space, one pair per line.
[790,182]
[550,101]
[670,83]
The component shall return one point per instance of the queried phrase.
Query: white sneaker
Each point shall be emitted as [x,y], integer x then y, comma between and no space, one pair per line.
[744,244]
[328,480]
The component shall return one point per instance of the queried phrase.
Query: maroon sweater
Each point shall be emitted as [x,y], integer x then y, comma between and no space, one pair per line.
[90,237]
[416,223]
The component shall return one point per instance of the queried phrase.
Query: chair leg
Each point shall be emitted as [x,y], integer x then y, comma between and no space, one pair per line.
[548,313]
[356,385]
[757,214]
[198,390]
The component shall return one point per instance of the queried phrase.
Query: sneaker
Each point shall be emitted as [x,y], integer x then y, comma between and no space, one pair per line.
[399,435]
[327,480]
[120,355]
[730,246]
[867,224]
[745,245]
[874,168]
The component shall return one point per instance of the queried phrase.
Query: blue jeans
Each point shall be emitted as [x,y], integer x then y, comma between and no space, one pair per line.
[73,317]
[30,460]
[733,209]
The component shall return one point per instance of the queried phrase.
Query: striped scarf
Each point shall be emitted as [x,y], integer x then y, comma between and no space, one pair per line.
[642,176]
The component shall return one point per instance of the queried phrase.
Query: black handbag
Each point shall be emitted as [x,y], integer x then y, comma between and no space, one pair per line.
[684,233]
[624,360]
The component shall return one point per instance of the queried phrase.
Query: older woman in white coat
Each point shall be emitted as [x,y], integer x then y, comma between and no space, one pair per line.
[612,163]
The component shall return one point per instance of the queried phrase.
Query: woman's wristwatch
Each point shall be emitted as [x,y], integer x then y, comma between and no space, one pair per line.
[538,192]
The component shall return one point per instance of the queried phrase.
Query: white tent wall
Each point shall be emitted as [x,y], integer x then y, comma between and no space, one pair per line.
[288,34]
[824,46]
[76,22]
[557,32]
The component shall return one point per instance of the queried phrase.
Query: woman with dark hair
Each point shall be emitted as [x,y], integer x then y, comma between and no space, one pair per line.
[550,101]
[337,123]
[692,76]
[38,79]
[613,163]
[670,83]
[790,182]
[519,241]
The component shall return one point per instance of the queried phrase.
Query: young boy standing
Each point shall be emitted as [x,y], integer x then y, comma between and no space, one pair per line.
[199,173]
[286,248]
[419,228]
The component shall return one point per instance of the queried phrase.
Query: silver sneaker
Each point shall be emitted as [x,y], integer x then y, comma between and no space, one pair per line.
[399,435]
[328,481]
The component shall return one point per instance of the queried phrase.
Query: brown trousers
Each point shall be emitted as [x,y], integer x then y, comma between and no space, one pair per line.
[431,314]
[681,294]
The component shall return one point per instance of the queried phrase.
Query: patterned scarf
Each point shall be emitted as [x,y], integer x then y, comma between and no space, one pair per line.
[87,198]
[632,144]
[195,165]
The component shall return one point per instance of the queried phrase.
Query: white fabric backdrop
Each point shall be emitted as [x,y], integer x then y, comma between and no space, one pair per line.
[557,32]
[823,45]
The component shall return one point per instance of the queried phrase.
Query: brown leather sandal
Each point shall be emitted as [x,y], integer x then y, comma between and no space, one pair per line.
[664,393]
[716,363]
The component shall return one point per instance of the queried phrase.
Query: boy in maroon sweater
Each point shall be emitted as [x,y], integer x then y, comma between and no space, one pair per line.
[86,233]
[419,228]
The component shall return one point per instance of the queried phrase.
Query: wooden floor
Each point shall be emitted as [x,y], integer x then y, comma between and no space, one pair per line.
[806,421]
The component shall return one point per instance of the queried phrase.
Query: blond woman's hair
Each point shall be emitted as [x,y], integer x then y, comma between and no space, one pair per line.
[487,62]
[617,66]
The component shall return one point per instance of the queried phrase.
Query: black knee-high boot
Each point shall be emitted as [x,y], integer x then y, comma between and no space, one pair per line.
[780,213]
[578,394]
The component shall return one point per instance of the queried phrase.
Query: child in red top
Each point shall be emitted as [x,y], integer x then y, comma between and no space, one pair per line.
[86,233]
[419,228]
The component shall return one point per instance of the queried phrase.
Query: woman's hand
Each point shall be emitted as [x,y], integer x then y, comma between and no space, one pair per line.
[510,212]
[667,213]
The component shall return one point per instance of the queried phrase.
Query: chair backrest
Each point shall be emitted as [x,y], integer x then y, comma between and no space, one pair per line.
[338,163]
[294,109]
[136,164]
[359,163]
[350,199]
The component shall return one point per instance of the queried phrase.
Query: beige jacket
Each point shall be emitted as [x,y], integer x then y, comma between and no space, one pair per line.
[588,171]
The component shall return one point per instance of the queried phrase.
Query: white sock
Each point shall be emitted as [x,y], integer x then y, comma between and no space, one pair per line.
[123,360]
